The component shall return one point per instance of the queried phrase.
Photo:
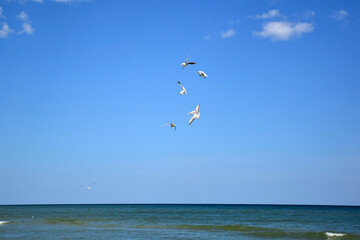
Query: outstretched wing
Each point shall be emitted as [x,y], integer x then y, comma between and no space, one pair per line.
[181,86]
[187,59]
[191,63]
[192,119]
[165,124]
[197,108]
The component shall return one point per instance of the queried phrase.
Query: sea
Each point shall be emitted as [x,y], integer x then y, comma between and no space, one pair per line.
[179,221]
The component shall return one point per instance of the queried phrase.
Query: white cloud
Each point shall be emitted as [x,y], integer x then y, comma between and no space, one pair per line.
[339,15]
[309,14]
[228,33]
[26,26]
[270,14]
[208,37]
[27,29]
[1,12]
[284,30]
[5,30]
[23,16]
[39,1]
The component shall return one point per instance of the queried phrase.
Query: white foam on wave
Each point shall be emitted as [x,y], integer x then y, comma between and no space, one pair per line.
[3,222]
[329,234]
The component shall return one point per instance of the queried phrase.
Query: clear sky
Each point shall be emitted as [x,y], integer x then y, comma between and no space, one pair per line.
[86,85]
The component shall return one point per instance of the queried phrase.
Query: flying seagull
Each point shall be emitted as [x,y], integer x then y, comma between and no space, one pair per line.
[183,91]
[88,187]
[195,114]
[202,74]
[171,125]
[184,64]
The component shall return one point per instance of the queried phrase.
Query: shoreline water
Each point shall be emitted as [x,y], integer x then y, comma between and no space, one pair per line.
[180,221]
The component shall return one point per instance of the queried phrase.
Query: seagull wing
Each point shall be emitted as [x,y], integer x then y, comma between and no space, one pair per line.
[191,63]
[187,59]
[197,108]
[165,124]
[181,86]
[192,119]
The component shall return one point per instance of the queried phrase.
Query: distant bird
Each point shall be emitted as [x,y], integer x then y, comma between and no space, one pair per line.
[171,125]
[88,187]
[183,91]
[184,64]
[195,113]
[202,74]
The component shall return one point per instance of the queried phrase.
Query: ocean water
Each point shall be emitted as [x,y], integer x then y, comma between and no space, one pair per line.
[127,221]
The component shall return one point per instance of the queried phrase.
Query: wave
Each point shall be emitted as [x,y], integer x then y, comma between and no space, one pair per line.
[3,222]
[261,232]
[334,235]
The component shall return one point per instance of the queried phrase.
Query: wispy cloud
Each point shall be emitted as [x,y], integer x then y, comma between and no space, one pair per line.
[27,29]
[283,31]
[23,16]
[26,25]
[232,21]
[208,37]
[5,30]
[339,15]
[38,1]
[267,15]
[228,33]
[1,12]
[309,14]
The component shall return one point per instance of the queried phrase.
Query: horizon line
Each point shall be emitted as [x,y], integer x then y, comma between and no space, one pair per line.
[234,204]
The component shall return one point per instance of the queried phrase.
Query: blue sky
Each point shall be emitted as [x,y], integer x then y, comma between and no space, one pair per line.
[86,86]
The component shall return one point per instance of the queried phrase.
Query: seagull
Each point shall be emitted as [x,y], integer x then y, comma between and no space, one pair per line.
[183,91]
[202,74]
[195,113]
[88,187]
[171,125]
[184,64]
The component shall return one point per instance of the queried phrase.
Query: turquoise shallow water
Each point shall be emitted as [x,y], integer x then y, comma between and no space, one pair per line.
[179,222]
